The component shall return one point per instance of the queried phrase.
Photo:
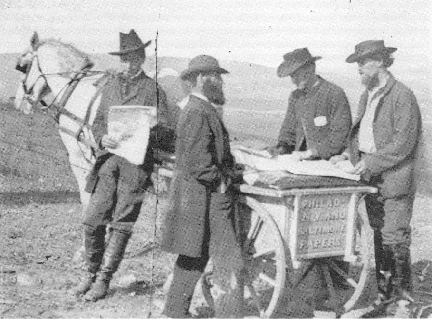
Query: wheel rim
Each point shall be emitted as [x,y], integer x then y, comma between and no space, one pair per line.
[265,261]
[363,262]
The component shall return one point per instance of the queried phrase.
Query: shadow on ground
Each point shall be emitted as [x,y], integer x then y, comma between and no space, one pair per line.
[38,197]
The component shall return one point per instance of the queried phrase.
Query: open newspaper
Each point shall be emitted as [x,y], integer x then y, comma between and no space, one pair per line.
[130,126]
[261,161]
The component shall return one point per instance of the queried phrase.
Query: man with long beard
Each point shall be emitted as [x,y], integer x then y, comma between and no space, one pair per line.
[382,146]
[200,218]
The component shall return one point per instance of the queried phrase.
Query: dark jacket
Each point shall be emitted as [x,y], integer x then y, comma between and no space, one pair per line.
[120,90]
[321,117]
[203,158]
[396,129]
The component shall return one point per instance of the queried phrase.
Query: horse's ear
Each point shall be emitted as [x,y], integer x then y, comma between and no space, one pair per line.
[34,41]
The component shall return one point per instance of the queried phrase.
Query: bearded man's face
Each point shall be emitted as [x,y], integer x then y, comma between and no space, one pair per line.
[213,89]
[368,70]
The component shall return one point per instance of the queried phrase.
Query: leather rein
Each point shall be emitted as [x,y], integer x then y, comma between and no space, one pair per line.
[68,90]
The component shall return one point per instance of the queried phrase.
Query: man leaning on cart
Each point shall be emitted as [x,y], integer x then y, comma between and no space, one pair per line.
[382,146]
[316,124]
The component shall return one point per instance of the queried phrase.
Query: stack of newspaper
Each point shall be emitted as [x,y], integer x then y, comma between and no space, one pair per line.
[263,161]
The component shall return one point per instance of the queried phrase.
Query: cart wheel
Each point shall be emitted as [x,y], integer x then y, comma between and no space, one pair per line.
[265,266]
[346,284]
[358,275]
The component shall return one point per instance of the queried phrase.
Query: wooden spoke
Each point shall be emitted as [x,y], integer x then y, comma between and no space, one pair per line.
[266,255]
[267,279]
[336,268]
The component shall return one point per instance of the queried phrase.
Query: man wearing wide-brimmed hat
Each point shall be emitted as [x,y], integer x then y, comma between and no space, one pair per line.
[117,185]
[382,146]
[318,118]
[199,221]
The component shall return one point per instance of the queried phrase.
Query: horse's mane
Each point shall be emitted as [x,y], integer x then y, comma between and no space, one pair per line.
[70,58]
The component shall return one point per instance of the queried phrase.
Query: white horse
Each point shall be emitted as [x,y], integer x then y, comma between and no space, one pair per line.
[60,70]
[60,75]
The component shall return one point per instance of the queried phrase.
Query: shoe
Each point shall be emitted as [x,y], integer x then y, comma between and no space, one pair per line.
[99,288]
[378,308]
[84,285]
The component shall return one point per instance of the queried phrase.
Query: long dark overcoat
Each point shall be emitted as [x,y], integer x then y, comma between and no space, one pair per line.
[203,158]
[396,129]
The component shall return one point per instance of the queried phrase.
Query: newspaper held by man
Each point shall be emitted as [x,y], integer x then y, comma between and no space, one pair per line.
[129,126]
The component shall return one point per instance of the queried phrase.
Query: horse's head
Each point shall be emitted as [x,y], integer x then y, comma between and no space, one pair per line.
[33,84]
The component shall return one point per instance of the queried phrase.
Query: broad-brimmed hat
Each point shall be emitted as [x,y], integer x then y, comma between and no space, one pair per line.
[130,42]
[294,60]
[203,64]
[368,48]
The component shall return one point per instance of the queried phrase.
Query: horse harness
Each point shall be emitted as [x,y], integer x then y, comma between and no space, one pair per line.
[68,90]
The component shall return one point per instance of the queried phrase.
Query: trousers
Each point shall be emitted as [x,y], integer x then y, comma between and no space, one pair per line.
[118,194]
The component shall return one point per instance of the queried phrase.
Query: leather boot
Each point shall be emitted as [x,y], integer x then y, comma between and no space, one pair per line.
[384,269]
[112,258]
[401,281]
[94,243]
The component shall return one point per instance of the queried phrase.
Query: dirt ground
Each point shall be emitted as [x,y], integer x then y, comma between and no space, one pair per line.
[40,232]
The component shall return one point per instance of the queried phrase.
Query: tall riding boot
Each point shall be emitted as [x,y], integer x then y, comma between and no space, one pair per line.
[384,263]
[402,281]
[402,305]
[112,258]
[384,267]
[94,243]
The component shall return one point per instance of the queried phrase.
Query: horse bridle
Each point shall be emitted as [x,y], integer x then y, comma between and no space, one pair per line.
[67,91]
[28,91]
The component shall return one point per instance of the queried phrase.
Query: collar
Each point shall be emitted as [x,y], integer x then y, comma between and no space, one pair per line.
[201,96]
[133,77]
[298,92]
[182,104]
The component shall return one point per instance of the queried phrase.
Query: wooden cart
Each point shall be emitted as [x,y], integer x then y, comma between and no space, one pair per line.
[302,224]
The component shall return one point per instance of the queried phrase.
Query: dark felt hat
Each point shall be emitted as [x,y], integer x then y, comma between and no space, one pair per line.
[369,48]
[203,64]
[130,42]
[294,60]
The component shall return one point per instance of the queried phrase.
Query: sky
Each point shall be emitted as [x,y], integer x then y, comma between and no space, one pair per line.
[257,31]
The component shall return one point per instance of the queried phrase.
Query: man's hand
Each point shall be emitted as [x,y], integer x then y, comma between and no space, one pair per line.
[360,168]
[108,142]
[337,158]
[275,151]
[300,156]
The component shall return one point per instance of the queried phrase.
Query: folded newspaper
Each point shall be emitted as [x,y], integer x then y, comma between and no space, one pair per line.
[130,126]
[262,162]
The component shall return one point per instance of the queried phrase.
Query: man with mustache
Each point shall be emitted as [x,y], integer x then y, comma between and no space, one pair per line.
[316,126]
[318,118]
[200,218]
[382,146]
[118,186]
